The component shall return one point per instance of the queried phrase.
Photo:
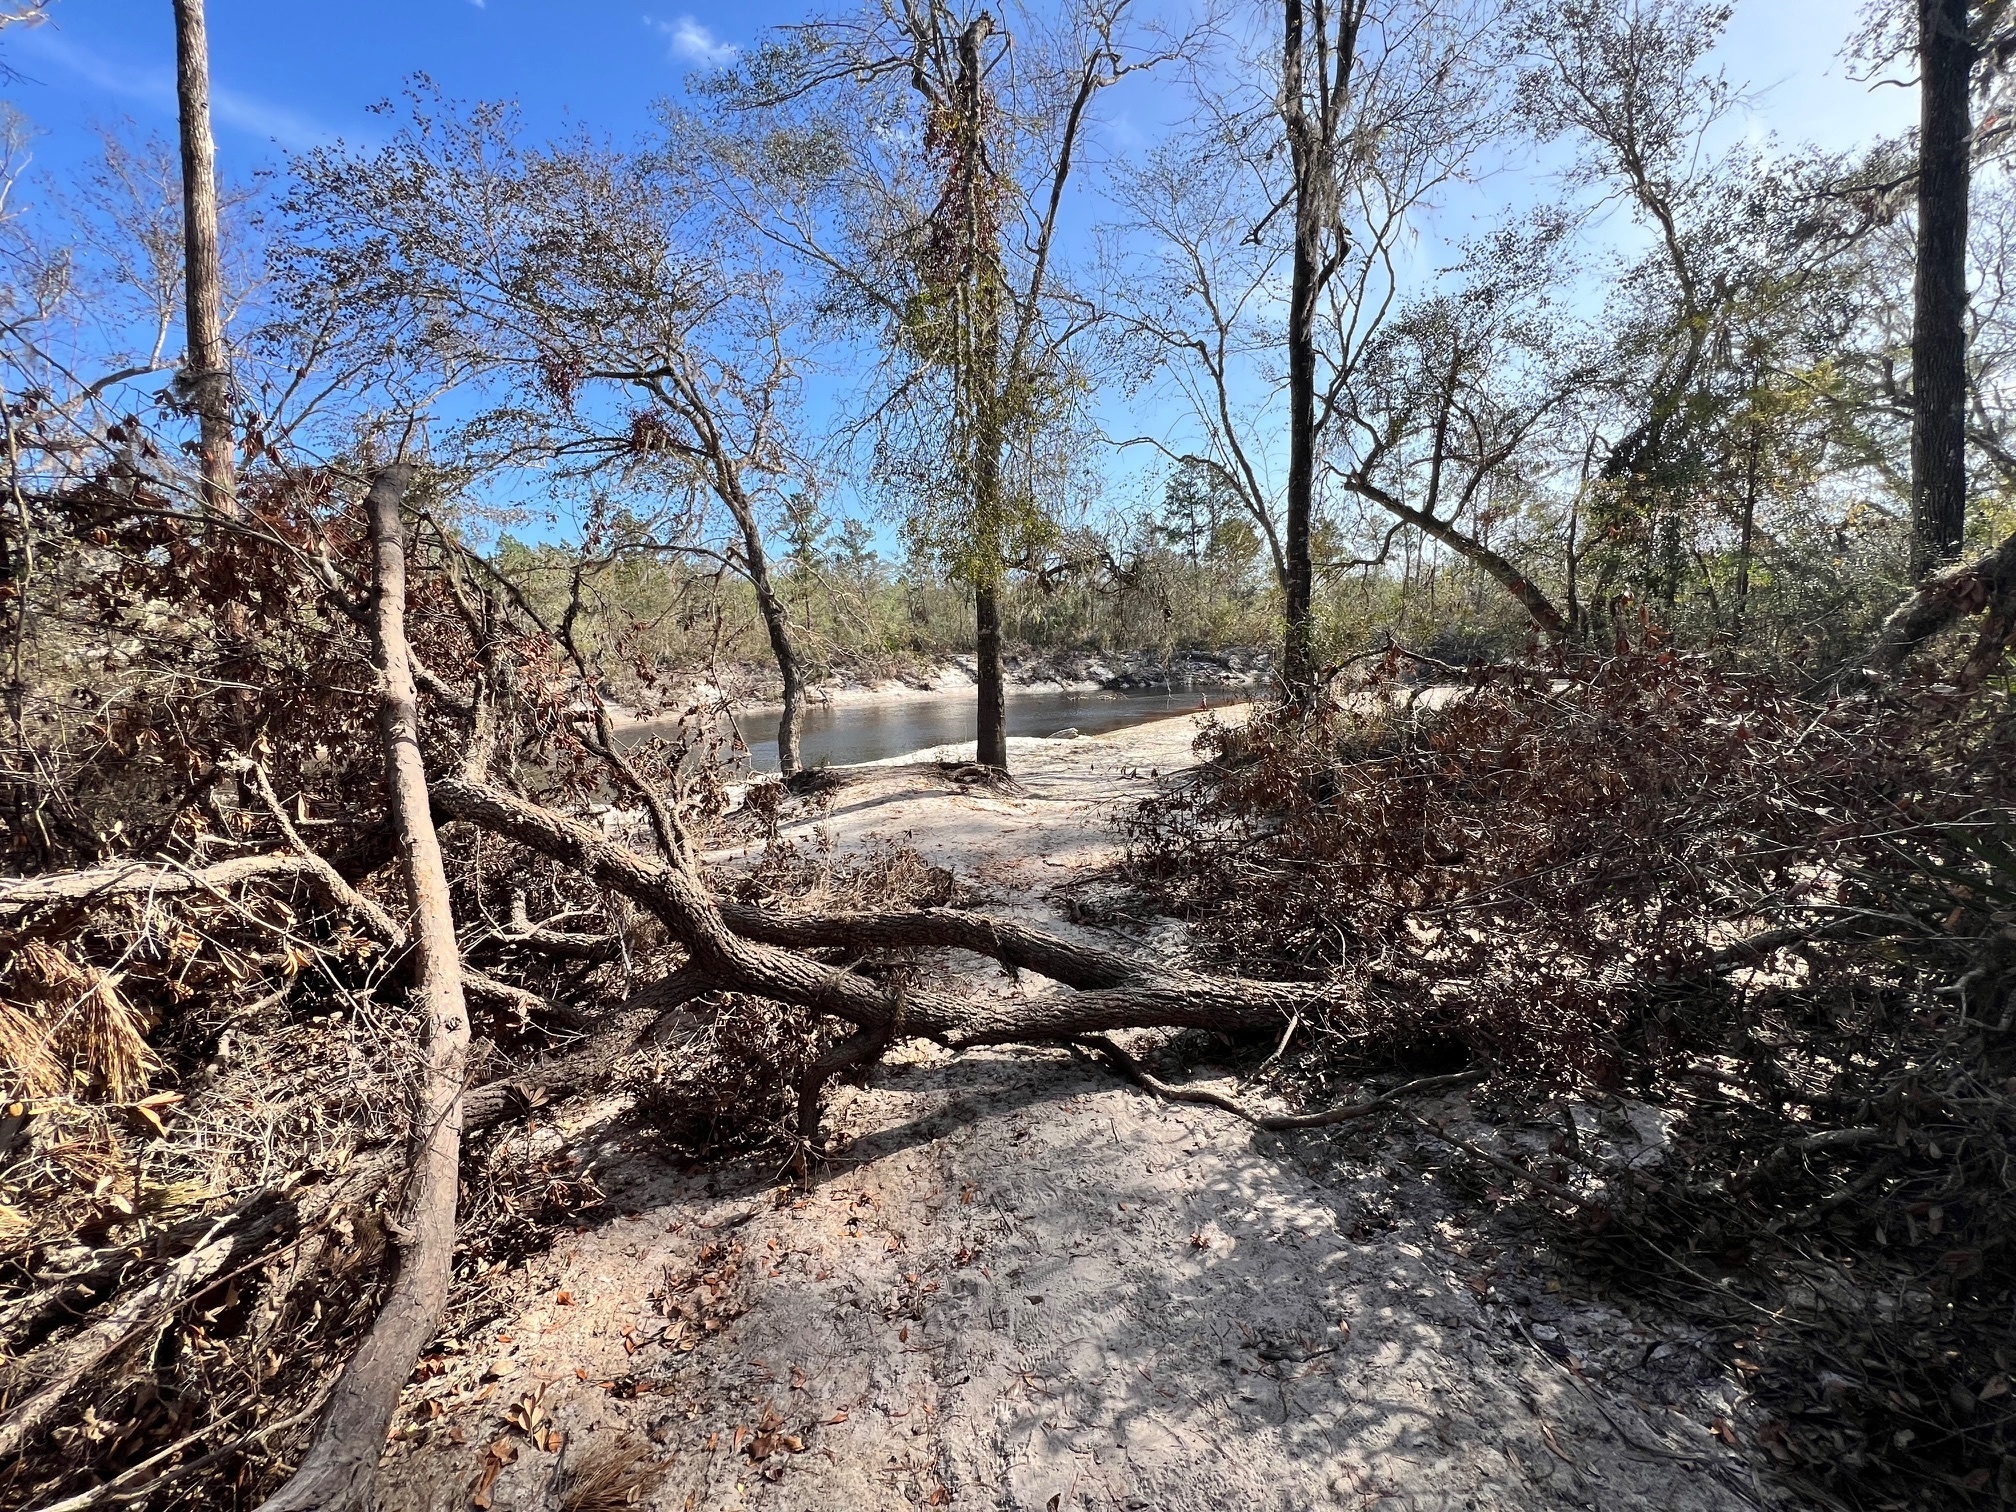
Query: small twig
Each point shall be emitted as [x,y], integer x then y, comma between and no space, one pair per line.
[1512,1168]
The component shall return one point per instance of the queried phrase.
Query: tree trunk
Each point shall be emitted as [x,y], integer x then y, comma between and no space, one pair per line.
[1747,544]
[991,700]
[1310,160]
[206,367]
[336,1473]
[1939,315]
[777,622]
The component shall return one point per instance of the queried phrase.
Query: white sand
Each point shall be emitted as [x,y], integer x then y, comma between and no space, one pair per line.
[1022,1285]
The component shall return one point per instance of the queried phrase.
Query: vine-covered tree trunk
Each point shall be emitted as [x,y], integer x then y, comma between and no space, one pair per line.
[1939,313]
[1309,154]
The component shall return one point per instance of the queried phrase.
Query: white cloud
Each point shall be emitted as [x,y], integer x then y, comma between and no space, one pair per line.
[155,88]
[690,40]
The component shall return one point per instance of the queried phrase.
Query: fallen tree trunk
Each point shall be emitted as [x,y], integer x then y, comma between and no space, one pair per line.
[1013,945]
[142,879]
[336,1473]
[1941,600]
[1119,994]
[675,893]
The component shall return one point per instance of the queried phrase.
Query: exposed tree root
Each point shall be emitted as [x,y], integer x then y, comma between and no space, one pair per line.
[1142,1077]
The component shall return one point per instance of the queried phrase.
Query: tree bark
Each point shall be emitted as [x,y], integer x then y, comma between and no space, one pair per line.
[1015,946]
[128,878]
[336,1473]
[991,694]
[206,368]
[1310,159]
[1939,301]
[777,623]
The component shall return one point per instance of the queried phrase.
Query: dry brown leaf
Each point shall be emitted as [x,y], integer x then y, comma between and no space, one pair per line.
[1554,1444]
[526,1414]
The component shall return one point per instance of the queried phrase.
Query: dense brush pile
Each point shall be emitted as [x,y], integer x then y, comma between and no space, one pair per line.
[1787,921]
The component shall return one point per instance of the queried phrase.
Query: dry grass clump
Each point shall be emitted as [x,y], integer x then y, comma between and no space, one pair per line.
[68,1027]
[608,1474]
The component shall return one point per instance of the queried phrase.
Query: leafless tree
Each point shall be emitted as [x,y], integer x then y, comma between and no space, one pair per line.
[1457,418]
[1269,272]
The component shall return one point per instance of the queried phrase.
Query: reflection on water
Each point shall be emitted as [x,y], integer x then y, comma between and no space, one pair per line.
[872,729]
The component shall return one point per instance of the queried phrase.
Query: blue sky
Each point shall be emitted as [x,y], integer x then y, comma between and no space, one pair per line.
[290,74]
[295,72]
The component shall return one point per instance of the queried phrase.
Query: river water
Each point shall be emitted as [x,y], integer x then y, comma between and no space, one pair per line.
[868,729]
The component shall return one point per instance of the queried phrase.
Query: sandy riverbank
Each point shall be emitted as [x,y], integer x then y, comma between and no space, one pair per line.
[1021,1285]
[755,689]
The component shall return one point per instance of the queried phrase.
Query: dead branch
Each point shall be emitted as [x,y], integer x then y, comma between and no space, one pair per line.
[147,1308]
[674,892]
[335,1475]
[588,1062]
[129,879]
[134,1482]
[541,937]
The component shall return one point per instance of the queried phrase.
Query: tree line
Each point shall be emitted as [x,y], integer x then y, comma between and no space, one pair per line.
[1744,389]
